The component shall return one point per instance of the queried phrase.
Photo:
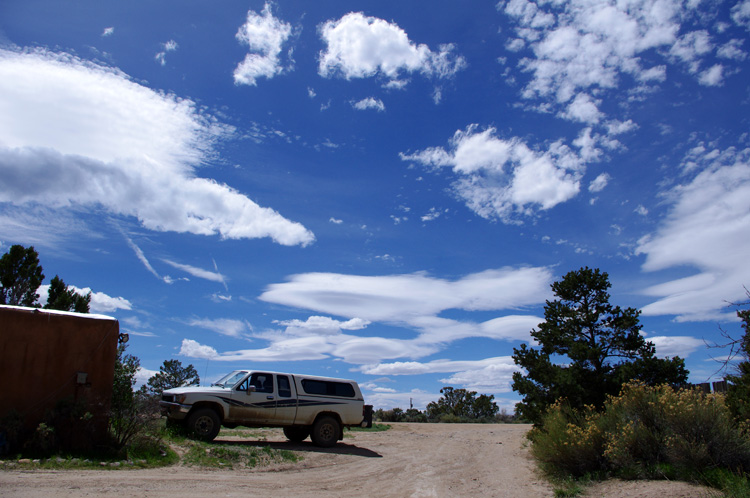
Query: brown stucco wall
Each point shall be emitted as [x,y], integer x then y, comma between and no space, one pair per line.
[43,353]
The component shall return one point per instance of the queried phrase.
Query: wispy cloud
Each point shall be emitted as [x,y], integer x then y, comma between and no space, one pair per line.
[143,259]
[711,237]
[223,326]
[161,57]
[213,276]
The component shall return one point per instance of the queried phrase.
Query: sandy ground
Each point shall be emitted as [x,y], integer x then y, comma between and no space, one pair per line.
[410,460]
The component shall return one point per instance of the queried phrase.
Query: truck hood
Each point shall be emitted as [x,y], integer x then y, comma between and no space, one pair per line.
[197,389]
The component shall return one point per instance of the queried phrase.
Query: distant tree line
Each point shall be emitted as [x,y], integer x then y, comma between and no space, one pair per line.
[455,406]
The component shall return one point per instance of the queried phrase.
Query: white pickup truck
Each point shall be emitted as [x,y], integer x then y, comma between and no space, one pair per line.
[304,405]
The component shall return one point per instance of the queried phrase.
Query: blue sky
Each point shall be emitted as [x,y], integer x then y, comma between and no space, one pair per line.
[381,191]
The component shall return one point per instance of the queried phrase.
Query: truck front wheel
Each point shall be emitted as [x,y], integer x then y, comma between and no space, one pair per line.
[204,424]
[325,432]
[296,434]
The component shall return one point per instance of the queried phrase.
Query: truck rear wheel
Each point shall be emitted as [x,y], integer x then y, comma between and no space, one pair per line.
[296,434]
[204,424]
[326,431]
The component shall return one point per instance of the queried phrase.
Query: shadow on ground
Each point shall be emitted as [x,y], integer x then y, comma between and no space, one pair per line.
[305,446]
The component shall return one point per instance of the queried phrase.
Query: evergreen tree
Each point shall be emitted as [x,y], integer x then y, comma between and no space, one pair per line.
[60,297]
[738,392]
[173,374]
[588,349]
[20,276]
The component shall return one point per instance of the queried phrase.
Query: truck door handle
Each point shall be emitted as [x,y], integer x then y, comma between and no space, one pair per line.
[269,397]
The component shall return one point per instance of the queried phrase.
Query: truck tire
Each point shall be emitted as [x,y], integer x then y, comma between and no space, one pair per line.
[204,424]
[325,431]
[296,434]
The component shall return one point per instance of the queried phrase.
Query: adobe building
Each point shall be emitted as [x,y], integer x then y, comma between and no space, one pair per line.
[47,357]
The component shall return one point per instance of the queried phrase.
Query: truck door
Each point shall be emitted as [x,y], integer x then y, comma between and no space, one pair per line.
[286,401]
[254,407]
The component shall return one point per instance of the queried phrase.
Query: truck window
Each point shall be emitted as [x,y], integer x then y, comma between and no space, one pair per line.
[328,388]
[285,390]
[263,382]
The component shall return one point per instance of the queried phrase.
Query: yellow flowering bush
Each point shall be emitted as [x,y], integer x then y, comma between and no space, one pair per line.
[568,442]
[643,429]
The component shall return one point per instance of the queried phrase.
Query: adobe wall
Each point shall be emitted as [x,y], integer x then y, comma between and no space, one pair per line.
[47,356]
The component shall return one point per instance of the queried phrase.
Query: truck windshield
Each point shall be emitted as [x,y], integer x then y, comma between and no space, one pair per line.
[231,379]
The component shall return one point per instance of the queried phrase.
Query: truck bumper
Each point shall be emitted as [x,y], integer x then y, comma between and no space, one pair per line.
[174,410]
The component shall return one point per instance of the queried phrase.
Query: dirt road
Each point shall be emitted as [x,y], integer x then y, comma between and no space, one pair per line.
[410,460]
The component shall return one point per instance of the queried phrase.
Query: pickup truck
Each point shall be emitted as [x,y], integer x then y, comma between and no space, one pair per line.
[304,405]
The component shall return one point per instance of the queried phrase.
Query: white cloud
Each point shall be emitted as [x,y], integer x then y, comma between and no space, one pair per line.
[80,134]
[490,375]
[100,302]
[265,36]
[732,50]
[690,47]
[504,178]
[103,303]
[388,400]
[369,103]
[223,326]
[193,349]
[615,127]
[293,349]
[708,229]
[741,13]
[322,338]
[671,346]
[409,297]
[108,31]
[713,76]
[410,301]
[321,325]
[599,183]
[335,221]
[142,375]
[432,215]
[581,45]
[583,109]
[358,46]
